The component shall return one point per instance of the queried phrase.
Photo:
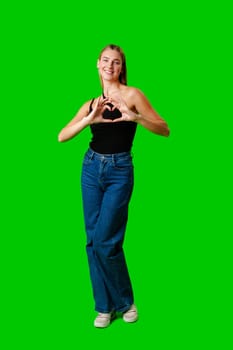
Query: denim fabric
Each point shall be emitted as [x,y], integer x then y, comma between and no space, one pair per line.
[107,183]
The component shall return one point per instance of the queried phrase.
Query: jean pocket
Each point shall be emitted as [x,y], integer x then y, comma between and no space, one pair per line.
[87,160]
[123,163]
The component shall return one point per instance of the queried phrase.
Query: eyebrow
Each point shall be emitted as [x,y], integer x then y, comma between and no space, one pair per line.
[115,59]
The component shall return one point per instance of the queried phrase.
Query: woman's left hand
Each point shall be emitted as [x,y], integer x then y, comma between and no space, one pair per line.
[127,114]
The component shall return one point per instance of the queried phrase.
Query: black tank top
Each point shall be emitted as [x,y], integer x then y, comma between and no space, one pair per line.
[109,138]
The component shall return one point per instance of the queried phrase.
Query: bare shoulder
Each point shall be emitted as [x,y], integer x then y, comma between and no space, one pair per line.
[135,97]
[133,92]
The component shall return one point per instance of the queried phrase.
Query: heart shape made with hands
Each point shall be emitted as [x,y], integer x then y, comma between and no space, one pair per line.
[112,113]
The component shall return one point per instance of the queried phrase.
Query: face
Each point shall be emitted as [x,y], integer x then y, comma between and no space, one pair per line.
[110,65]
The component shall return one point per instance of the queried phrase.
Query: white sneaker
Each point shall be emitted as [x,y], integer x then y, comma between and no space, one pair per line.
[131,315]
[104,320]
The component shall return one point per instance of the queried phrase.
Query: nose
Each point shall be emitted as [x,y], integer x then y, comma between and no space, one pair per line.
[110,64]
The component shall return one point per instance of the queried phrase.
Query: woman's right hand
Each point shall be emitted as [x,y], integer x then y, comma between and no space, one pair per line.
[82,120]
[96,115]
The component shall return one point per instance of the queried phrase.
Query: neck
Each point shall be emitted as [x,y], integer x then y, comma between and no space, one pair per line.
[110,87]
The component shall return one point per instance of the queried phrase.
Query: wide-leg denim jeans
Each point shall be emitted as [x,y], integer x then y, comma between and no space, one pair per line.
[107,183]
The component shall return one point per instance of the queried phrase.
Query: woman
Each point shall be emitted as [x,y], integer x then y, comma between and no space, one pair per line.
[107,180]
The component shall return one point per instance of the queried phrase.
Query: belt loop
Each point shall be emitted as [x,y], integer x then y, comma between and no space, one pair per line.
[92,154]
[113,159]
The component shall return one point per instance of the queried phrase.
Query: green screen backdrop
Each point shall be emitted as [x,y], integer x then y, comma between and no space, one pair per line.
[177,241]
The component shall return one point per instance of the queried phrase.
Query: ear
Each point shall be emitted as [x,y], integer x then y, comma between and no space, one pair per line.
[98,62]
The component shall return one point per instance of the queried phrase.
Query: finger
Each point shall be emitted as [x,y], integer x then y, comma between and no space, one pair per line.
[106,107]
[102,100]
[98,103]
[118,120]
[116,106]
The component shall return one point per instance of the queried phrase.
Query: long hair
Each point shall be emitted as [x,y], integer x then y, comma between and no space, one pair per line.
[123,74]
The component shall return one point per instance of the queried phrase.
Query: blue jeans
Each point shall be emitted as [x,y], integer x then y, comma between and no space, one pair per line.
[107,183]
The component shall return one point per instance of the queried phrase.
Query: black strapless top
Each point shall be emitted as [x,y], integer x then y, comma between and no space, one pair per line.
[109,138]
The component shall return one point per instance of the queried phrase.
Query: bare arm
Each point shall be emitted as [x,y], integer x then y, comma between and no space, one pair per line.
[148,117]
[82,119]
[77,124]
[145,116]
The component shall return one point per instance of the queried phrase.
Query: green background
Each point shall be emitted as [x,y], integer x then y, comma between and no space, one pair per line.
[178,237]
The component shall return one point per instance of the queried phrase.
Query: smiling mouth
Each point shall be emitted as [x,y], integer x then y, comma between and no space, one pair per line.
[108,72]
